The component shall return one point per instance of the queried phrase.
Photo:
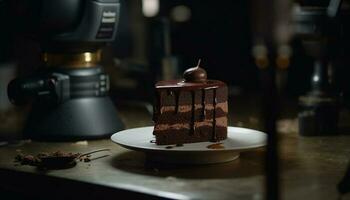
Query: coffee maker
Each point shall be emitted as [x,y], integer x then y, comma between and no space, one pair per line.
[69,91]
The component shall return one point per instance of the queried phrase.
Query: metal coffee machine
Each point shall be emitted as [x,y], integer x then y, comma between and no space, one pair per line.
[69,92]
[322,27]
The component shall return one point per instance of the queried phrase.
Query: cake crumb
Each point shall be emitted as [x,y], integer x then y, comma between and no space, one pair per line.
[216,146]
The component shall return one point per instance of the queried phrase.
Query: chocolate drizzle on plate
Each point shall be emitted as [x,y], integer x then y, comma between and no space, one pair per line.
[174,146]
[216,146]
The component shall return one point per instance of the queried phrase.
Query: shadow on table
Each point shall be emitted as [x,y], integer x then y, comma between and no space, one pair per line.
[248,165]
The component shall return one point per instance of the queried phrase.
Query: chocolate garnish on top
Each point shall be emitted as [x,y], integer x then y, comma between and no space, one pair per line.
[195,74]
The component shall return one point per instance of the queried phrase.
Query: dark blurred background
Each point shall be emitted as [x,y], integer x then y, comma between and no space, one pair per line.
[159,39]
[217,33]
[181,32]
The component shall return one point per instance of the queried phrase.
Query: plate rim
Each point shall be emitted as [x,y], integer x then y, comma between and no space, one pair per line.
[178,150]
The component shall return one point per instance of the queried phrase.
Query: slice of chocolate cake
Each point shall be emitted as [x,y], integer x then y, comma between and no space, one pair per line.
[190,110]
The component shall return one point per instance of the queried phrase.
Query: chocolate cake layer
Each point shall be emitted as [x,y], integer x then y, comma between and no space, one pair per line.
[220,122]
[188,108]
[168,96]
[170,117]
[182,136]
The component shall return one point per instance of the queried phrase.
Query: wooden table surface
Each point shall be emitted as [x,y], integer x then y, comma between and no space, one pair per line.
[311,168]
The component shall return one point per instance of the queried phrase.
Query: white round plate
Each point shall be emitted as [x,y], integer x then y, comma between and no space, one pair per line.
[238,140]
